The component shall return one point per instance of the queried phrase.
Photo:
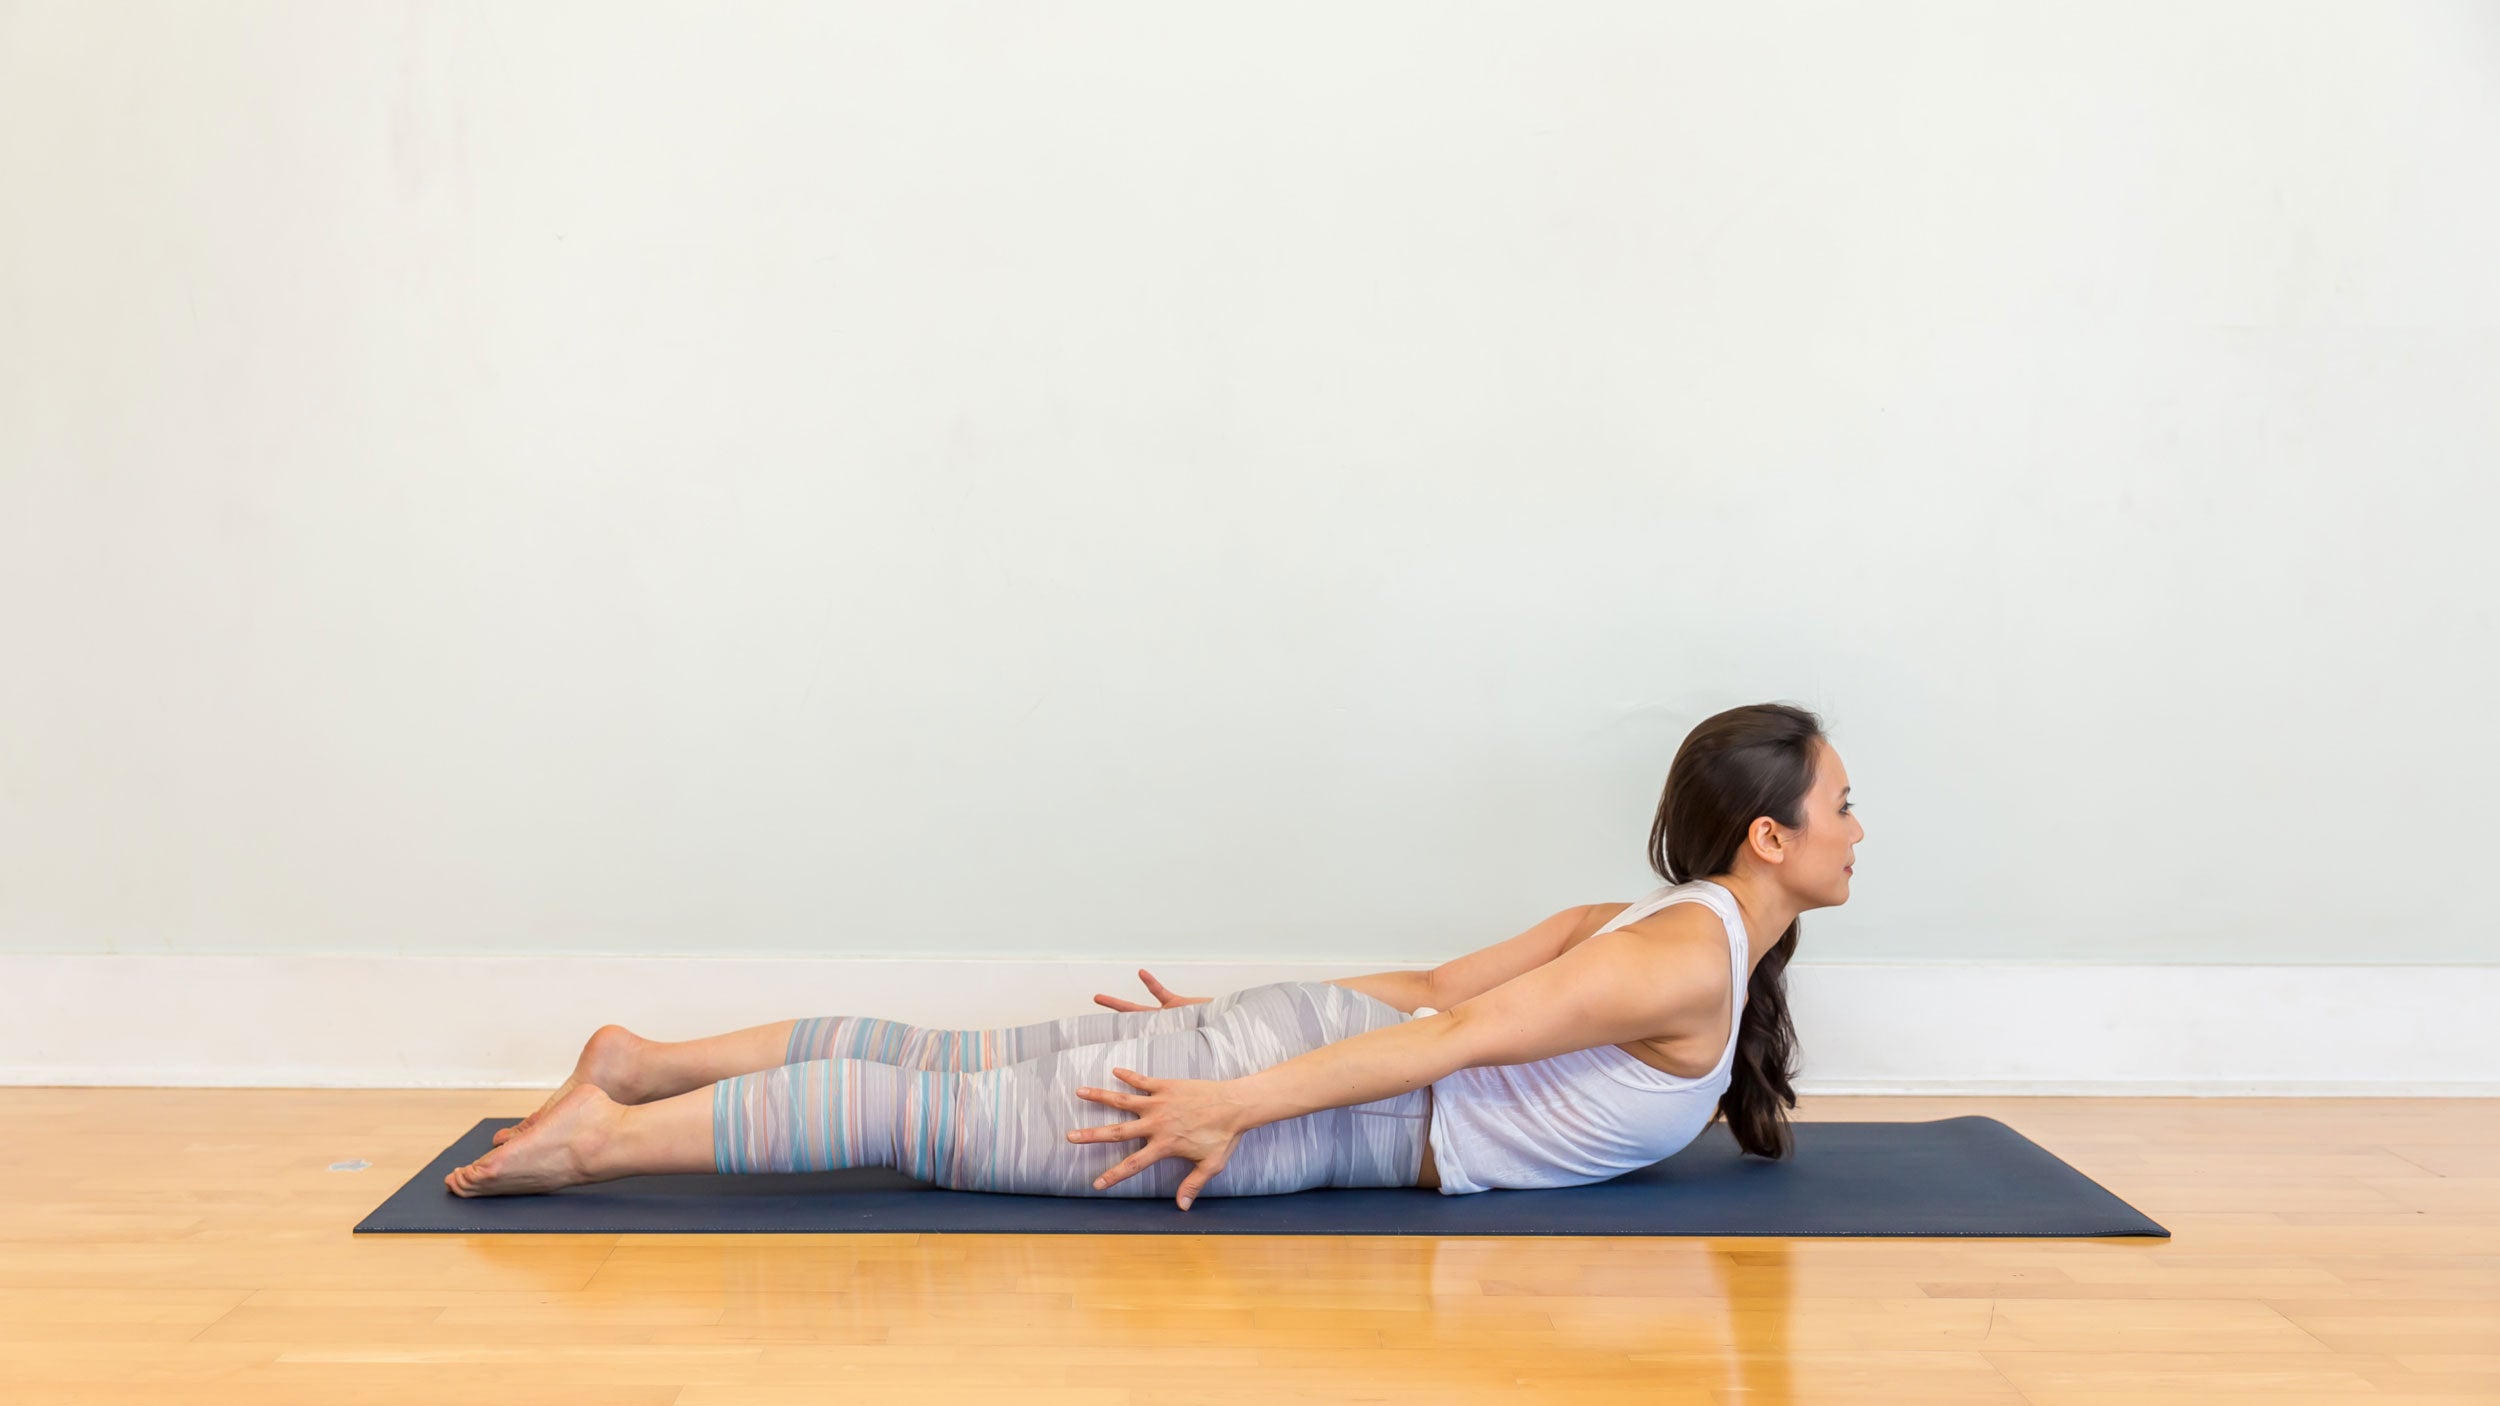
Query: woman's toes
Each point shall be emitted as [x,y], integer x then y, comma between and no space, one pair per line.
[556,1154]
[579,1077]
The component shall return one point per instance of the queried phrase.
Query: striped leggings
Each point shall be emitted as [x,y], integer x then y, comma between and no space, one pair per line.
[990,1110]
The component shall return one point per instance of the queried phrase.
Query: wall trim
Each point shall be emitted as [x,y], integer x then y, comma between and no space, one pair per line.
[486,1021]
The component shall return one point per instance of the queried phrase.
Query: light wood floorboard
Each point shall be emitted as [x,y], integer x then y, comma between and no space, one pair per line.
[191,1245]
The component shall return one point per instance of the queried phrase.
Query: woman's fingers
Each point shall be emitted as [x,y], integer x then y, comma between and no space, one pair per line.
[1130,1131]
[1165,994]
[1137,1162]
[1109,1132]
[1191,1183]
[1161,992]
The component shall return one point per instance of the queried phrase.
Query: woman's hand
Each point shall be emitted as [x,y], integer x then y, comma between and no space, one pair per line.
[1199,1119]
[1161,994]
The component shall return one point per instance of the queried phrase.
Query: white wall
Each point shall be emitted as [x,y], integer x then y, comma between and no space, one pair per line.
[1140,482]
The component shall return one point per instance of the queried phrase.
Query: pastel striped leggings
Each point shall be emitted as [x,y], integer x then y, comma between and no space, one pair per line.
[990,1110]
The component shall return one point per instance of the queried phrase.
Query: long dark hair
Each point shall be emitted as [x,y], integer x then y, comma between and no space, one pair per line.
[1746,762]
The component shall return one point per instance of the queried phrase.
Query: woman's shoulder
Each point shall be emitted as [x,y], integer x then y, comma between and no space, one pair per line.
[1676,917]
[1593,917]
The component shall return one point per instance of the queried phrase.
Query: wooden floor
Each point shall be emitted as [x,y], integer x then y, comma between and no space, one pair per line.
[169,1245]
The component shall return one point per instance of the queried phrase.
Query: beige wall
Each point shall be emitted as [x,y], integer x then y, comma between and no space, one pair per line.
[1141,482]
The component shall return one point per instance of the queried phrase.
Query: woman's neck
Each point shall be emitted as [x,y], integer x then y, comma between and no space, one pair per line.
[1766,908]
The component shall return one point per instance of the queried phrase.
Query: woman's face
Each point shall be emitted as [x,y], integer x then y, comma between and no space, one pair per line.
[1828,842]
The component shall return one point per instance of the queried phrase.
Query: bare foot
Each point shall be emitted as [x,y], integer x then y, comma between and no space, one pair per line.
[611,1063]
[556,1153]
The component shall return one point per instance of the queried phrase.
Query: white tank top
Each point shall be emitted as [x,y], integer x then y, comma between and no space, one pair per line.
[1588,1115]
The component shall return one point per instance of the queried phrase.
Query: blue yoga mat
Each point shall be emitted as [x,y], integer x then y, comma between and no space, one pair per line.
[1952,1176]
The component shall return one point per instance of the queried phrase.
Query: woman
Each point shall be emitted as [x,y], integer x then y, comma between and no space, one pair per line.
[1599,1041]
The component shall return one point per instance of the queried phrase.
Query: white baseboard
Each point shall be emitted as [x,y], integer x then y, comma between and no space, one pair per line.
[269,1021]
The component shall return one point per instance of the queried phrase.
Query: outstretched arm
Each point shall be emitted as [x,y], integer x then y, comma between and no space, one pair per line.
[1622,985]
[1376,1064]
[1404,990]
[1463,978]
[1203,1119]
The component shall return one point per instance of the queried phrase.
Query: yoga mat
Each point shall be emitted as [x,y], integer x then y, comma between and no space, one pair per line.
[1953,1176]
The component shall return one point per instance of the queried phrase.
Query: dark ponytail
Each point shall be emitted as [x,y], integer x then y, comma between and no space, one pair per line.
[1746,762]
